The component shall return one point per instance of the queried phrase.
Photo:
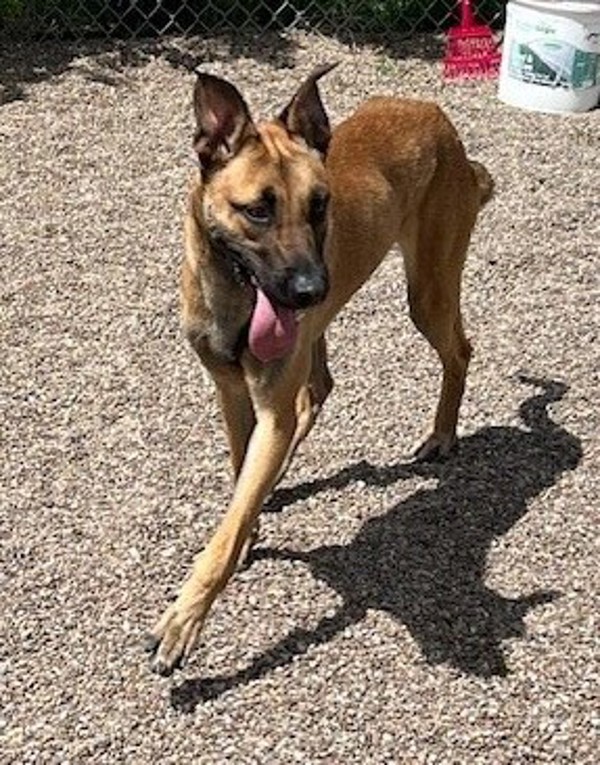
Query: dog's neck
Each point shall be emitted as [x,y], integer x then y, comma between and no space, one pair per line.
[224,298]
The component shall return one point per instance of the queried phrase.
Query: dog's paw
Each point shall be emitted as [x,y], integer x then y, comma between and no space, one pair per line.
[172,640]
[246,555]
[435,448]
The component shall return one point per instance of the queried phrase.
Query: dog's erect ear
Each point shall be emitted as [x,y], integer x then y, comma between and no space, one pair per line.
[305,114]
[223,121]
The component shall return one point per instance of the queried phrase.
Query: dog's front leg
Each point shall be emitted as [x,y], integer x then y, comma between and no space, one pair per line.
[239,418]
[177,631]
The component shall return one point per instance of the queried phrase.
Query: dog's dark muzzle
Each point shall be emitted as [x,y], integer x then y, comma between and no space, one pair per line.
[298,286]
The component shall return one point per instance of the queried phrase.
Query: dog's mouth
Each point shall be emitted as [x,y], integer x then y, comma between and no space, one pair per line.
[273,328]
[279,307]
[279,303]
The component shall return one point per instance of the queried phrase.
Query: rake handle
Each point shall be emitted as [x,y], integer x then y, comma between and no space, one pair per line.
[467,15]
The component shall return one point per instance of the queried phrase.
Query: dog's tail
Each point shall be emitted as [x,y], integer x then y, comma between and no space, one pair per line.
[484,180]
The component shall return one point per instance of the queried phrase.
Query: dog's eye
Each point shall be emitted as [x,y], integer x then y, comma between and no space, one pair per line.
[259,213]
[318,206]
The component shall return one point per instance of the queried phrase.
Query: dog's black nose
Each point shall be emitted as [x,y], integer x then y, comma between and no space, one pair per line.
[306,288]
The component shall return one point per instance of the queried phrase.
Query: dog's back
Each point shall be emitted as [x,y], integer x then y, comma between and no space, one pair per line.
[402,142]
[398,173]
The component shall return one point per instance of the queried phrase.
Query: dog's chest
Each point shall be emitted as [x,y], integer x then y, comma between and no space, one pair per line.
[228,334]
[216,322]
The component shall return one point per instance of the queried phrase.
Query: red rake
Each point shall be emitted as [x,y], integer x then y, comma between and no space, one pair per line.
[471,50]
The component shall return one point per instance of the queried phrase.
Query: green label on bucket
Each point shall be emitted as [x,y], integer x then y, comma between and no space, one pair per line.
[554,63]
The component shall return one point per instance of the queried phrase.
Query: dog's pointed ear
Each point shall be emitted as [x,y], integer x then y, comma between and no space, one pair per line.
[223,122]
[305,114]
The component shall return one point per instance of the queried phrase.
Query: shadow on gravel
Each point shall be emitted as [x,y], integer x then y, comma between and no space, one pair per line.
[423,562]
[23,64]
[107,61]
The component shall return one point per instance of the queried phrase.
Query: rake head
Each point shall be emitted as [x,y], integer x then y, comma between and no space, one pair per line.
[471,50]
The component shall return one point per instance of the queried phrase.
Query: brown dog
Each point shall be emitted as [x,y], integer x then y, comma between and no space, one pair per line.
[277,240]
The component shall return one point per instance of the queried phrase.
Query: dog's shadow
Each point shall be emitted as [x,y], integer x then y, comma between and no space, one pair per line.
[423,562]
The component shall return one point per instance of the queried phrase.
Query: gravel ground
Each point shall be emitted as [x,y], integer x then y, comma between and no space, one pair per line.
[394,613]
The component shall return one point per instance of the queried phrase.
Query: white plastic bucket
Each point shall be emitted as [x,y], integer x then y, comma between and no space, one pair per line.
[551,55]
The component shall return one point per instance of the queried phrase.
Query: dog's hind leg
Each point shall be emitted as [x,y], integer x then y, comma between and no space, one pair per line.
[433,277]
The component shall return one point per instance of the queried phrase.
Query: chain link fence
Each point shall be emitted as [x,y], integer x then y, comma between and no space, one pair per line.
[130,19]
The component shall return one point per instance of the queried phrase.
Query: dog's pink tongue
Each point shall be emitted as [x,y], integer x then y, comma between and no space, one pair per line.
[273,329]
